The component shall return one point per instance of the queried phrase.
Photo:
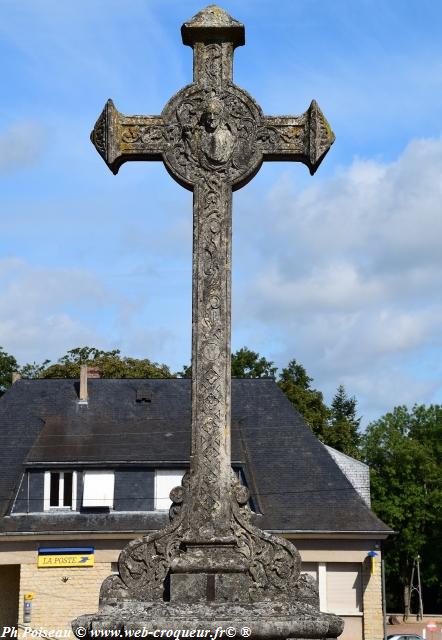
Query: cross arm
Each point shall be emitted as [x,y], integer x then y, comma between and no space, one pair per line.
[119,138]
[305,138]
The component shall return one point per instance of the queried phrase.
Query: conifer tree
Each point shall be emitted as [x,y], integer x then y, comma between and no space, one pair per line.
[296,384]
[342,432]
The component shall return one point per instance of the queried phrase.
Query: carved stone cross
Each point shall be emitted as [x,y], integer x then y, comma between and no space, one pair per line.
[212,137]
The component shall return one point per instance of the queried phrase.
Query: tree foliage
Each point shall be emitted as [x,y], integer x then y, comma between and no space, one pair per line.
[8,364]
[33,370]
[186,371]
[109,363]
[342,432]
[245,364]
[404,451]
[296,384]
[249,364]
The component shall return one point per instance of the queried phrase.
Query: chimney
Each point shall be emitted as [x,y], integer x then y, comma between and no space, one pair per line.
[85,374]
[83,384]
[15,377]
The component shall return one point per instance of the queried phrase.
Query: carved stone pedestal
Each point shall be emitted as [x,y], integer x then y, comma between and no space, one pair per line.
[259,590]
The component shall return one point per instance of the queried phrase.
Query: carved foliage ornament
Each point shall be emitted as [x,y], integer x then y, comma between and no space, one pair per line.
[272,563]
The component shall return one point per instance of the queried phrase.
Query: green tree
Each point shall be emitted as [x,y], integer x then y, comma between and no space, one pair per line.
[245,364]
[186,371]
[403,449]
[296,384]
[110,364]
[342,432]
[33,370]
[249,364]
[8,364]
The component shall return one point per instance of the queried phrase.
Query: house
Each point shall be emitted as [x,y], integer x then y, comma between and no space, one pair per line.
[83,471]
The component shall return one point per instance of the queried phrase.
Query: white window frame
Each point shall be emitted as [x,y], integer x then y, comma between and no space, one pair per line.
[162,502]
[100,502]
[47,491]
[322,585]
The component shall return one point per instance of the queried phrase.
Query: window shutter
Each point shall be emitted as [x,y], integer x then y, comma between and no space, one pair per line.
[98,489]
[165,481]
[344,588]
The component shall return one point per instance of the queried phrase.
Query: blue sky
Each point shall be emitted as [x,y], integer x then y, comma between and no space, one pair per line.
[341,271]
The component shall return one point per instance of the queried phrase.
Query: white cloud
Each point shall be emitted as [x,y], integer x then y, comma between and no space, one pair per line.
[39,309]
[348,276]
[369,206]
[44,311]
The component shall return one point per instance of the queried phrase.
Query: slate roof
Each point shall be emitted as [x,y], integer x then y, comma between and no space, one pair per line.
[295,483]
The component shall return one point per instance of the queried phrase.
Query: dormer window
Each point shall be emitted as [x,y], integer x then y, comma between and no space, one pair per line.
[60,490]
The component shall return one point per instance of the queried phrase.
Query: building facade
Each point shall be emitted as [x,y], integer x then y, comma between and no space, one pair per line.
[83,471]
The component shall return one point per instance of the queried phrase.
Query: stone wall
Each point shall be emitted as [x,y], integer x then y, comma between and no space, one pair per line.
[372,599]
[58,601]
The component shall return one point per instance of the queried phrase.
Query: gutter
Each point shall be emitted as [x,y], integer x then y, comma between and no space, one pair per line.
[377,532]
[131,533]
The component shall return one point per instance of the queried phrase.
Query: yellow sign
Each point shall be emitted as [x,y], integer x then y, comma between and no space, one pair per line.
[65,560]
[29,596]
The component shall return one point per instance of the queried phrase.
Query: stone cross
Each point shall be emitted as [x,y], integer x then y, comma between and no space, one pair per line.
[212,137]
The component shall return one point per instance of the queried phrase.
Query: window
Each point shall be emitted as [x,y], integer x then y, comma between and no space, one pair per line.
[98,489]
[60,490]
[165,481]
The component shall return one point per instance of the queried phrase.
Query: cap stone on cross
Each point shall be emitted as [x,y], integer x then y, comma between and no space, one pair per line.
[212,22]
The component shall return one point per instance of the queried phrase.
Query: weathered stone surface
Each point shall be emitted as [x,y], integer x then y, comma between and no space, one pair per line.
[265,620]
[211,567]
[270,566]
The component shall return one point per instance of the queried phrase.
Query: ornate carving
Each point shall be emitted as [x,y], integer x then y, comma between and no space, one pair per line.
[211,253]
[99,134]
[274,564]
[212,131]
[271,563]
[277,138]
[213,61]
[142,135]
[306,138]
[145,562]
[321,136]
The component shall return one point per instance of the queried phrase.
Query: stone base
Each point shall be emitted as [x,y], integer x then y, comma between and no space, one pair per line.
[266,620]
[208,587]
